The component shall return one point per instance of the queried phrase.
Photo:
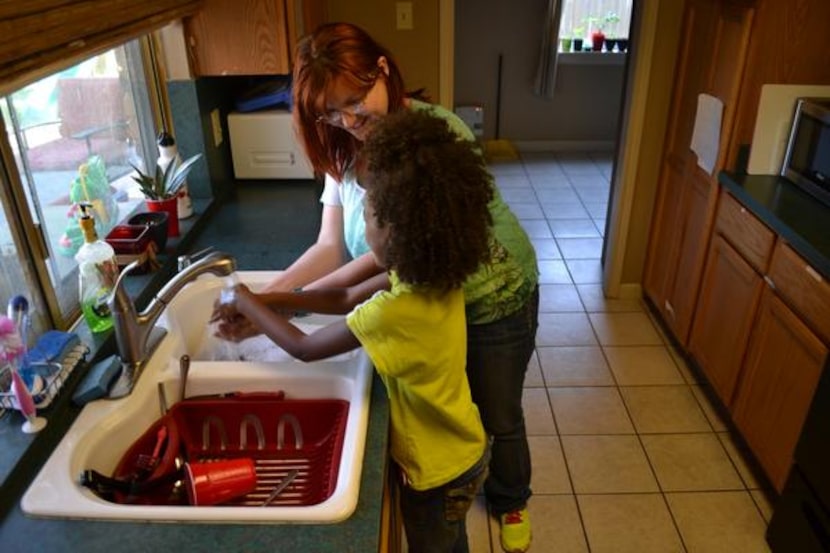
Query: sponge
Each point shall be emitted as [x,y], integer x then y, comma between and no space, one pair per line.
[52,346]
[97,382]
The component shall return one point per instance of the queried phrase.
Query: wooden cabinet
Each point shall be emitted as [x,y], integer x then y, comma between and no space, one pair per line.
[783,366]
[758,334]
[686,194]
[728,300]
[750,312]
[729,294]
[248,37]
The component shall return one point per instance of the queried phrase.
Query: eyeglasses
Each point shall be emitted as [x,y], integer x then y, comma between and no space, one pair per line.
[355,109]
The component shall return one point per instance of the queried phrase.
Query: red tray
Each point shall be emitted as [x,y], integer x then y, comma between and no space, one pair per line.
[212,428]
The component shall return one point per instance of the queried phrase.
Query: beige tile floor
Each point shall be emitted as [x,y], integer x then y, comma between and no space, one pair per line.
[628,455]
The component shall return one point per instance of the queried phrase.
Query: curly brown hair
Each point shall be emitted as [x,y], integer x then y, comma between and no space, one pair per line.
[432,187]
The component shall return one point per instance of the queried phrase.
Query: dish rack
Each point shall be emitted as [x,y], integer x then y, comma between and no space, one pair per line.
[279,435]
[52,376]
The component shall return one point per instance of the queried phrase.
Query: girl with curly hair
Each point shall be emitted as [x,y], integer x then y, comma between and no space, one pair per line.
[428,224]
[344,85]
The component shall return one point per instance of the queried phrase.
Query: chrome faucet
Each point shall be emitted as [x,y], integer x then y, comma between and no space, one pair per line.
[134,332]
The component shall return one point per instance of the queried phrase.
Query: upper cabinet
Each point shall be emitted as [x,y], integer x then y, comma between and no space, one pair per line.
[248,37]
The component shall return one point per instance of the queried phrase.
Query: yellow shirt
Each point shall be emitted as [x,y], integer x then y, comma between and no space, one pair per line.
[418,344]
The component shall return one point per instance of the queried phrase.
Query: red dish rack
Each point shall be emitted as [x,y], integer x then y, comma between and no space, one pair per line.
[280,435]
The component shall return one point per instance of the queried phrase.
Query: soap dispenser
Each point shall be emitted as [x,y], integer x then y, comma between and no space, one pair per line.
[167,153]
[98,271]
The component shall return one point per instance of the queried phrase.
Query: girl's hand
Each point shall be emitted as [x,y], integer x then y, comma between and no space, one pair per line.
[225,308]
[231,324]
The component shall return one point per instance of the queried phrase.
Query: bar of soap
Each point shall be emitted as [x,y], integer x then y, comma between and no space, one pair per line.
[97,382]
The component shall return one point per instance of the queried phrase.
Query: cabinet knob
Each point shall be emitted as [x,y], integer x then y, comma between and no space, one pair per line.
[769,282]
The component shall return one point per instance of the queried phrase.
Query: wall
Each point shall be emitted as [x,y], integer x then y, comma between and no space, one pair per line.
[416,50]
[638,163]
[586,104]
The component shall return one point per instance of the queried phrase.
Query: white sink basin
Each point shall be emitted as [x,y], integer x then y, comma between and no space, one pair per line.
[105,429]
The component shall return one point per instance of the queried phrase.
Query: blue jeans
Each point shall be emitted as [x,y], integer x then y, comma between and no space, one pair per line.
[497,358]
[435,519]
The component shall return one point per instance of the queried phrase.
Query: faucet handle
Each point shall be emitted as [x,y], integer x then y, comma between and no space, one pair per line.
[184,261]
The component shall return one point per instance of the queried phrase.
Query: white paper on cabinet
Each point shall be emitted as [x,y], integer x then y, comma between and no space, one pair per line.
[706,133]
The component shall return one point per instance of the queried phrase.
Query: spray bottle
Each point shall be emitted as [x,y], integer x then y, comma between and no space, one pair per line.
[167,153]
[98,272]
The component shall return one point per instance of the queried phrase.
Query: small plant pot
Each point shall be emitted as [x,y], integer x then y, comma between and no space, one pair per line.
[169,206]
[566,44]
[622,44]
[610,44]
[577,45]
[597,39]
[157,223]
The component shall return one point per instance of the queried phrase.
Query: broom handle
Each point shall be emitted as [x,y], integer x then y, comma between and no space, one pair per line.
[498,96]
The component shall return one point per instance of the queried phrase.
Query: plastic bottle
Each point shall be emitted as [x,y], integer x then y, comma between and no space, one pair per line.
[98,272]
[167,153]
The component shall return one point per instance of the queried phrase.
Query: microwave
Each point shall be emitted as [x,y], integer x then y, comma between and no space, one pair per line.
[807,158]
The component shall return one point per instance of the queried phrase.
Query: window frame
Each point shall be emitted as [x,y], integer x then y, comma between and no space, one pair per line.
[27,234]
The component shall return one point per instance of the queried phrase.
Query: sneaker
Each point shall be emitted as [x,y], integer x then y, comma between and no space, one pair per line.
[515,531]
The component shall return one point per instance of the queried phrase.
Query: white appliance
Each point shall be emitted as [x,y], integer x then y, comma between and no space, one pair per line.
[264,146]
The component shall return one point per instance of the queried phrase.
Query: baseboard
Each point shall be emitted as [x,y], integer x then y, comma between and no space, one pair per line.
[631,291]
[564,145]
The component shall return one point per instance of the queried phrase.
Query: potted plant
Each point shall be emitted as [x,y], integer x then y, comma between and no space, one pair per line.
[160,189]
[611,22]
[577,38]
[597,36]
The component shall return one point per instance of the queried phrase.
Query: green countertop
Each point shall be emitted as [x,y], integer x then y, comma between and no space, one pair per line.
[800,218]
[266,226]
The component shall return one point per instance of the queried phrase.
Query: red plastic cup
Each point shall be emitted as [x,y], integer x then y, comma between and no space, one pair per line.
[219,481]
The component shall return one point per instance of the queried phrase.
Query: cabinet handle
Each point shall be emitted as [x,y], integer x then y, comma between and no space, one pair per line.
[769,282]
[813,273]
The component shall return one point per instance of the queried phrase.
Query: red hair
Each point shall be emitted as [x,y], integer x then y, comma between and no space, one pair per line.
[336,52]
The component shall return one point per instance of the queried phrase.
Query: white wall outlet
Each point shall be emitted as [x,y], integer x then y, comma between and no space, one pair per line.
[216,124]
[403,16]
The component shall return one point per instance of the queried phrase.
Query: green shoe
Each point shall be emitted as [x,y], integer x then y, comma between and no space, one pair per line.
[515,531]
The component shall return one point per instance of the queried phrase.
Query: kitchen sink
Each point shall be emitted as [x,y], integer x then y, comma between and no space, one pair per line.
[105,429]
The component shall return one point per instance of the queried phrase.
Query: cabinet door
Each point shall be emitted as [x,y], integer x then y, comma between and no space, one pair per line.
[696,215]
[239,37]
[723,320]
[662,248]
[782,369]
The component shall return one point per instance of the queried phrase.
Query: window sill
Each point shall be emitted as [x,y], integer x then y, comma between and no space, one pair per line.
[592,58]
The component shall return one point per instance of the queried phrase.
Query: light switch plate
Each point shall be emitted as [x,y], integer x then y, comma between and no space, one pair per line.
[216,124]
[403,16]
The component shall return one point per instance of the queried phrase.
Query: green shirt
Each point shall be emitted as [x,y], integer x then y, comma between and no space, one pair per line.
[502,286]
[418,344]
[498,288]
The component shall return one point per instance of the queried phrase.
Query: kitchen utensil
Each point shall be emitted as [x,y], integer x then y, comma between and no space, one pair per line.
[184,368]
[281,486]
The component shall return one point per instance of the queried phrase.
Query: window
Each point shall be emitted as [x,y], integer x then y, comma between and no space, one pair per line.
[73,136]
[581,17]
